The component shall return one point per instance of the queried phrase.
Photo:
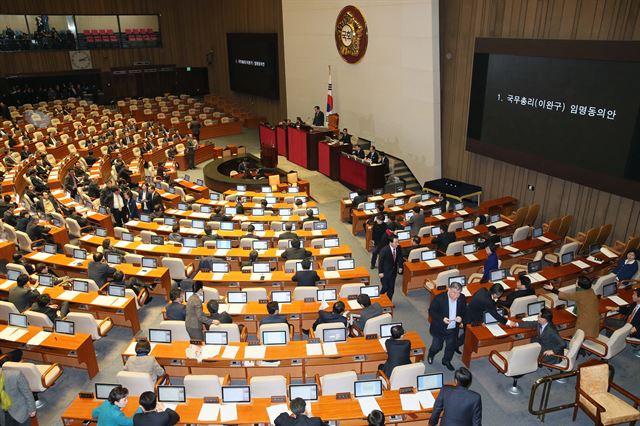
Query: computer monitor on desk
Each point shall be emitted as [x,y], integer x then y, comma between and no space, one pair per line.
[609,289]
[498,275]
[276,337]
[367,388]
[308,392]
[172,394]
[327,294]
[104,389]
[338,334]
[236,297]
[236,394]
[534,308]
[216,338]
[157,335]
[430,382]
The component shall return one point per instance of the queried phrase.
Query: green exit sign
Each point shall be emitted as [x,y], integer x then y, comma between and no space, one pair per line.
[188,69]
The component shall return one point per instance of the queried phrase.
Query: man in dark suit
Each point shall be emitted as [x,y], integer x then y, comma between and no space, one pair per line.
[335,315]
[492,238]
[176,310]
[398,351]
[288,234]
[306,277]
[21,295]
[461,406]
[416,221]
[358,152]
[98,270]
[154,414]
[369,311]
[447,311]
[390,265]
[299,418]
[485,301]
[156,199]
[71,183]
[274,316]
[90,159]
[523,288]
[630,313]
[144,198]
[443,240]
[42,305]
[378,238]
[344,136]
[373,155]
[295,252]
[131,206]
[222,317]
[318,116]
[384,160]
[550,341]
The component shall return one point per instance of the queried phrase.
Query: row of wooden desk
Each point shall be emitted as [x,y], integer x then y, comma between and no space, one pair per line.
[329,408]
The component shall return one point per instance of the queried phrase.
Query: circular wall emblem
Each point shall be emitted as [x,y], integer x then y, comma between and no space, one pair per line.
[351,34]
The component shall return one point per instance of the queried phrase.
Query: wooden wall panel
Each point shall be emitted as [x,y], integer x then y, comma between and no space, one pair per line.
[461,21]
[190,29]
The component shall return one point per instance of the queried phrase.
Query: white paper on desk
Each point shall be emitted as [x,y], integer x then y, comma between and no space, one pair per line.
[122,244]
[383,342]
[275,410]
[410,402]
[68,295]
[353,304]
[222,252]
[570,309]
[217,276]
[329,348]
[511,249]
[325,251]
[145,247]
[200,215]
[314,349]
[316,233]
[38,338]
[228,413]
[439,217]
[471,257]
[104,300]
[255,352]
[210,351]
[7,331]
[120,302]
[536,277]
[618,300]
[398,194]
[5,285]
[496,330]
[87,237]
[466,292]
[170,406]
[500,224]
[324,305]
[544,239]
[164,228]
[331,274]
[580,264]
[504,285]
[132,223]
[185,250]
[14,334]
[395,208]
[473,231]
[375,198]
[230,352]
[209,413]
[426,399]
[368,404]
[607,252]
[279,252]
[235,308]
[434,263]
[41,289]
[143,271]
[40,256]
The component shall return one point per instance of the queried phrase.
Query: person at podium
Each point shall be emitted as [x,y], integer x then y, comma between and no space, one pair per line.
[358,152]
[373,155]
[318,116]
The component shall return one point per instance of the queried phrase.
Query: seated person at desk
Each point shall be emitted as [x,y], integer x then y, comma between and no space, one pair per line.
[392,223]
[358,199]
[38,232]
[244,166]
[490,263]
[218,317]
[109,413]
[310,216]
[274,316]
[369,310]
[373,155]
[358,152]
[443,240]
[253,258]
[336,315]
[43,269]
[19,260]
[627,267]
[175,233]
[21,295]
[99,271]
[154,413]
[250,232]
[375,418]
[299,418]
[288,234]
[42,305]
[240,205]
[485,301]
[630,313]
[587,305]
[306,277]
[523,288]
[550,341]
[208,234]
[295,252]
[176,310]
[143,362]
[107,249]
[492,238]
[344,136]
[398,351]
[134,284]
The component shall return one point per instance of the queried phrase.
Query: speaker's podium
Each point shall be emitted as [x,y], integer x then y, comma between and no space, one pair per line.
[302,145]
[360,174]
[268,148]
[329,153]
